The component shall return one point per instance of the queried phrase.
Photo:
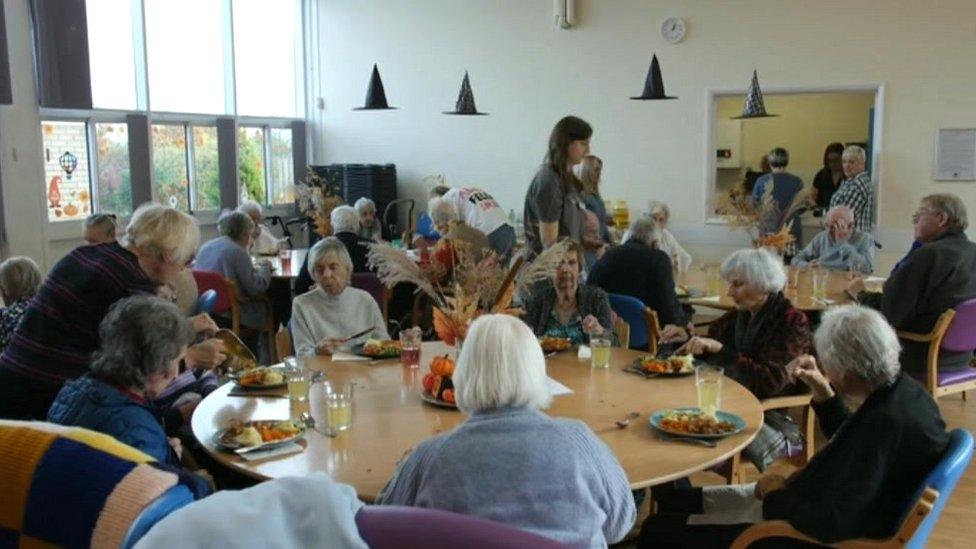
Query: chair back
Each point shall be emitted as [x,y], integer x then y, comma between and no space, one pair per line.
[943,478]
[206,302]
[961,336]
[631,310]
[390,214]
[394,526]
[212,280]
[371,283]
[67,486]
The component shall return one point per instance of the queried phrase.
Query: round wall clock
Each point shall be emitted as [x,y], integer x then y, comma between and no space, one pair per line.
[673,29]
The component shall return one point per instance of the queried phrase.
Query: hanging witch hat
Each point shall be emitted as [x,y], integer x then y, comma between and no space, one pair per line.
[754,106]
[465,100]
[375,95]
[654,84]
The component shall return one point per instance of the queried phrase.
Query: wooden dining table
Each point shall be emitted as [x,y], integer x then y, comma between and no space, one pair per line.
[389,418]
[694,285]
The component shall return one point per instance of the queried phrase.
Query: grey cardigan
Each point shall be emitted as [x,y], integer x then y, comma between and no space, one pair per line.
[590,300]
[516,466]
[228,258]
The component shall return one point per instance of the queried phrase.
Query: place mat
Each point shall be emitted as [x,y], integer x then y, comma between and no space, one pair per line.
[284,449]
[281,392]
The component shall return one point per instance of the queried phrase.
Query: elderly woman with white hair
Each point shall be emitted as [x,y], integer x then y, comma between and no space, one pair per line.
[661,214]
[59,331]
[856,190]
[840,246]
[449,225]
[370,226]
[20,278]
[763,334]
[509,462]
[262,241]
[345,226]
[638,268]
[324,318]
[859,484]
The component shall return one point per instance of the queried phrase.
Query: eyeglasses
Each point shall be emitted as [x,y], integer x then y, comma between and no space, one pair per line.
[920,213]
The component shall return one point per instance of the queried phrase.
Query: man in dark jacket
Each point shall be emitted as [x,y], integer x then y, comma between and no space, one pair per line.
[937,276]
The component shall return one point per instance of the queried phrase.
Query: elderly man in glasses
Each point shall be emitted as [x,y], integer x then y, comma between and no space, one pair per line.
[937,276]
[839,246]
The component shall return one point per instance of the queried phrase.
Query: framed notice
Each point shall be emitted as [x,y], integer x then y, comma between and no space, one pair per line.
[955,155]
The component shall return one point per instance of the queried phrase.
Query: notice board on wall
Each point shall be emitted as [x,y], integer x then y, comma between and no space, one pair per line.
[955,155]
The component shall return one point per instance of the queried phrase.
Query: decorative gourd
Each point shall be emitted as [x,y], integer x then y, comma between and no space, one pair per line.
[442,366]
[429,380]
[444,386]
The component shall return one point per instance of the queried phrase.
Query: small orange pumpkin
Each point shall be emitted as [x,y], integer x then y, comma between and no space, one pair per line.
[442,366]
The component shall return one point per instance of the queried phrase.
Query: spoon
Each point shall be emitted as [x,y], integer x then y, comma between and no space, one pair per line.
[626,421]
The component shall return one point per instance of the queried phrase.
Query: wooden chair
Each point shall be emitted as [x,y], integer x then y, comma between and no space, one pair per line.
[283,343]
[954,331]
[622,329]
[644,326]
[919,519]
[736,473]
[235,315]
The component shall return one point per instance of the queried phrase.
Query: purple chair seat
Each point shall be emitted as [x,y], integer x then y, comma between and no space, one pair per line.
[370,283]
[394,526]
[949,378]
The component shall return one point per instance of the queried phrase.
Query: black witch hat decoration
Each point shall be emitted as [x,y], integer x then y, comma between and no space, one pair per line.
[465,101]
[654,84]
[754,106]
[375,95]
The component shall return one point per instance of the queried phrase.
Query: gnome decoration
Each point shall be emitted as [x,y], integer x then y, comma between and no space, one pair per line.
[465,100]
[375,95]
[654,84]
[754,106]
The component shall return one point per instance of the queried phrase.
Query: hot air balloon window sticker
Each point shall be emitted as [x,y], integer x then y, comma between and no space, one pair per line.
[66,175]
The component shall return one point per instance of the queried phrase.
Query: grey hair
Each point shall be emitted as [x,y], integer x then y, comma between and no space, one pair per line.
[329,244]
[442,211]
[20,278]
[645,230]
[657,208]
[106,222]
[758,266]
[251,207]
[778,157]
[364,205]
[858,341]
[235,225]
[501,365]
[344,219]
[855,152]
[841,211]
[952,206]
[140,336]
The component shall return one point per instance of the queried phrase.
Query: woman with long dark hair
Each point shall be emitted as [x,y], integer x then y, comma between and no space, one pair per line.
[829,177]
[553,204]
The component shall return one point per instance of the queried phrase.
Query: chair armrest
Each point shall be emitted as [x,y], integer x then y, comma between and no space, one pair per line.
[912,336]
[769,529]
[778,403]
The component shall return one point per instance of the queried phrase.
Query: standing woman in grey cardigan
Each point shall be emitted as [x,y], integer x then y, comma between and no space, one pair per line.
[323,318]
[509,462]
[567,308]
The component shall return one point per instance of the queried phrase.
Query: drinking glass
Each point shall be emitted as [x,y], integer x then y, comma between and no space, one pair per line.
[708,381]
[794,279]
[713,279]
[284,255]
[410,347]
[600,351]
[338,401]
[820,277]
[297,377]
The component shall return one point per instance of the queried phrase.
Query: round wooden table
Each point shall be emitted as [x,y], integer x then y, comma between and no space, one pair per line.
[801,296]
[388,418]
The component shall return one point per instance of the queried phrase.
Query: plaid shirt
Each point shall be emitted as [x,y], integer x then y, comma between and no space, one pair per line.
[856,193]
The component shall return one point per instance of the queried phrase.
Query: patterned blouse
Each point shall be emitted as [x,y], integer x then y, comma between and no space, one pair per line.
[857,194]
[9,320]
[572,330]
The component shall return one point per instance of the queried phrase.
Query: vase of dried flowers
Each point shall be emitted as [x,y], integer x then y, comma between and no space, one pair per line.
[757,219]
[317,199]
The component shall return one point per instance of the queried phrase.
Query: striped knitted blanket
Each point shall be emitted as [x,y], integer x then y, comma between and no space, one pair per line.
[72,487]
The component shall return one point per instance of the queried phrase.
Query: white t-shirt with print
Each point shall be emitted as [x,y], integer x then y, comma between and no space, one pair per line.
[477,208]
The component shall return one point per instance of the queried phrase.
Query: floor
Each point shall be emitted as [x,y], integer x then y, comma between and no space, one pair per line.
[957,525]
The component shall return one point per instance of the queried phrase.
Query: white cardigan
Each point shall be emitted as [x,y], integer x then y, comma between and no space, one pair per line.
[317,315]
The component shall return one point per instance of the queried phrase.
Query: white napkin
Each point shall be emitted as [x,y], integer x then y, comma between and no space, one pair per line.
[874,279]
[715,298]
[556,388]
[584,352]
[284,449]
[342,356]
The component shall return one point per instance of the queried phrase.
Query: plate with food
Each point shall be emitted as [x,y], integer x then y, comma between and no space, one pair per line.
[251,435]
[554,344]
[438,390]
[694,423]
[672,366]
[264,377]
[378,348]
[682,292]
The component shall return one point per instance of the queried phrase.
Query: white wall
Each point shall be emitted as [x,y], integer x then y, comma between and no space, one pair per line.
[527,74]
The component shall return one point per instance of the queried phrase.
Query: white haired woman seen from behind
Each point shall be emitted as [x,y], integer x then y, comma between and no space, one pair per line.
[661,214]
[509,462]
